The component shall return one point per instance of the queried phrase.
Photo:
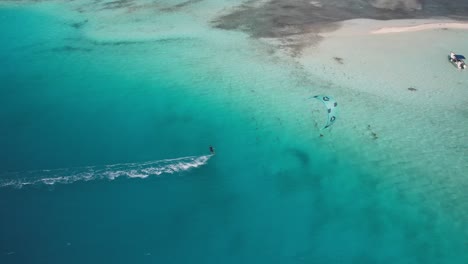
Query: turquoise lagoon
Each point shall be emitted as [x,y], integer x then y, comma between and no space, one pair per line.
[73,105]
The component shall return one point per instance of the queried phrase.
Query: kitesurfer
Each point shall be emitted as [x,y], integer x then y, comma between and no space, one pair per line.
[212,150]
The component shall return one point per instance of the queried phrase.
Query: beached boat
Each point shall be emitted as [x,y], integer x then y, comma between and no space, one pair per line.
[457,60]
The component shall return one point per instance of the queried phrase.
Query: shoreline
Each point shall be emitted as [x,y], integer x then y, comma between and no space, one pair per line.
[385,82]
[421,27]
[372,27]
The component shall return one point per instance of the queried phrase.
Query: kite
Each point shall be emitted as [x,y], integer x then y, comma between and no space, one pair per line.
[332,108]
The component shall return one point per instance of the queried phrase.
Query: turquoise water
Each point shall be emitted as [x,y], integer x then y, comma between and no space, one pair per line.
[271,194]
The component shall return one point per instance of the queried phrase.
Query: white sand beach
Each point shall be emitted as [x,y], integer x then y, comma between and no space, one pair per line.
[402,98]
[400,29]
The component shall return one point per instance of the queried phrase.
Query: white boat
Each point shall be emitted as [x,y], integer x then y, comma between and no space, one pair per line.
[457,60]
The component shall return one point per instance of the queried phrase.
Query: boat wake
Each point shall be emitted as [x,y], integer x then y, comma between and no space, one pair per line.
[103,172]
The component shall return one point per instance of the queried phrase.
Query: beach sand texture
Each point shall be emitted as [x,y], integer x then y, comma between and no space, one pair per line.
[435,25]
[401,88]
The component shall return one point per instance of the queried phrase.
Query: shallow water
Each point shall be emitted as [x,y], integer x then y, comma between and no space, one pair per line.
[77,99]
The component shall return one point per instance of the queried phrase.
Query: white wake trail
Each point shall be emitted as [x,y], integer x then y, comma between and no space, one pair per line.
[109,172]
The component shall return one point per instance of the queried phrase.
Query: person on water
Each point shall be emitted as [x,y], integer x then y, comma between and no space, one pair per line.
[212,150]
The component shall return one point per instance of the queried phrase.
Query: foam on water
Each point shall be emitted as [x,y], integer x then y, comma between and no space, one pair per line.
[104,172]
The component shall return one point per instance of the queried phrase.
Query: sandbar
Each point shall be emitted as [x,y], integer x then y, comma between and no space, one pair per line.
[386,30]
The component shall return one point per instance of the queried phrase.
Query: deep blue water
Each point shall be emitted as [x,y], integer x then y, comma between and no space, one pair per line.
[263,198]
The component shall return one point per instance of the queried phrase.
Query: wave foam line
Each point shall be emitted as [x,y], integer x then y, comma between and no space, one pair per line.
[110,172]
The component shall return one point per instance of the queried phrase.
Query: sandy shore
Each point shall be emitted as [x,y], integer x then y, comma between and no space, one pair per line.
[386,30]
[393,88]
[365,27]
